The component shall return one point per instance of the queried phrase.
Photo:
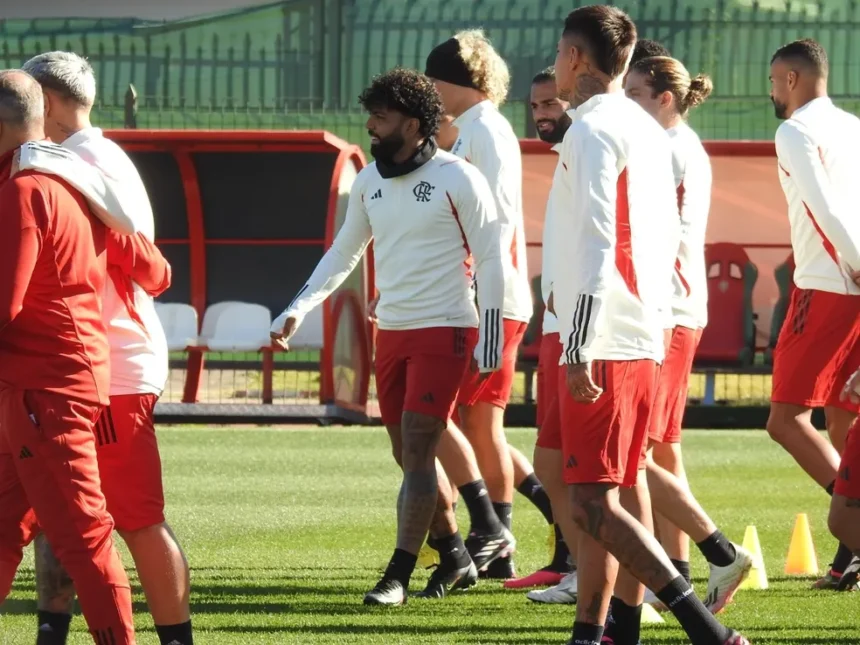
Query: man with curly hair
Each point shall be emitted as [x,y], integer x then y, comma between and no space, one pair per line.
[473,81]
[428,214]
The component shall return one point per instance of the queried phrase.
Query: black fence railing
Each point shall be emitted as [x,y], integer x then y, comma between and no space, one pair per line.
[302,63]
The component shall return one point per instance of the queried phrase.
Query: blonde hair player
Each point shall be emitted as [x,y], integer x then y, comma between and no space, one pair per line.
[667,91]
[473,81]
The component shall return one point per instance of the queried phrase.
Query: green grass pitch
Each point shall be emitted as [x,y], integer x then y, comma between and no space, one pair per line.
[285,530]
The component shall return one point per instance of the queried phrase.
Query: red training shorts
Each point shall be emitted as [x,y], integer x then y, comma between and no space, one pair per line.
[420,370]
[673,381]
[604,442]
[496,388]
[129,462]
[848,480]
[548,416]
[818,350]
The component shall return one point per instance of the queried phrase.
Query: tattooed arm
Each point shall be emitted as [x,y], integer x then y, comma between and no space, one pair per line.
[54,587]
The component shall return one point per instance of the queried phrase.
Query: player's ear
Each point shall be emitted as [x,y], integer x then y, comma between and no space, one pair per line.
[412,127]
[666,99]
[791,79]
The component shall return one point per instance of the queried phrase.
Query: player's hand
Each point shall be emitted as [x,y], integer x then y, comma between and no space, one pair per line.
[550,304]
[475,369]
[580,384]
[851,391]
[280,339]
[371,310]
[855,275]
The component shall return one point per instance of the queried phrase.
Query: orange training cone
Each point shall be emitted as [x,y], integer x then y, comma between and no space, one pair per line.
[758,577]
[801,552]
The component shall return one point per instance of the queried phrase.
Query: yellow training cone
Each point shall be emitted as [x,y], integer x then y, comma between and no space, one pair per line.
[801,552]
[757,578]
[650,616]
[427,557]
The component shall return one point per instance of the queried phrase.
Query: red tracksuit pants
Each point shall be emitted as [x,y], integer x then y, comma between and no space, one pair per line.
[49,475]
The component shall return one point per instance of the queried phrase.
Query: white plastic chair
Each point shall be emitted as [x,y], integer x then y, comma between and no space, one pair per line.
[236,327]
[180,324]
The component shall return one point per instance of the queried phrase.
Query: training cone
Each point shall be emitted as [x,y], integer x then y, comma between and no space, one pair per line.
[650,616]
[428,557]
[758,577]
[801,552]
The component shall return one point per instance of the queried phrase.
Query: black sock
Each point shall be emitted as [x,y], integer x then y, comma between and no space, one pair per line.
[533,490]
[561,556]
[53,628]
[717,550]
[697,621]
[401,566]
[622,623]
[841,560]
[452,550]
[684,569]
[505,513]
[481,514]
[830,488]
[586,634]
[175,634]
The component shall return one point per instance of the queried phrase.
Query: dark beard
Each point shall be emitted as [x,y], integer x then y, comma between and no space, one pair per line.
[385,150]
[779,109]
[558,129]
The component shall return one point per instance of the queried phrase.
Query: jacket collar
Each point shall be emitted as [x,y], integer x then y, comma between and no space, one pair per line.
[424,154]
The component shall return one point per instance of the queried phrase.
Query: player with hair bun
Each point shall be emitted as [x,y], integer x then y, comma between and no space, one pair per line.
[667,91]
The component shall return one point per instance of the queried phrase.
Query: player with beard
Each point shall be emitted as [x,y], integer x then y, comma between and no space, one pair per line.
[428,213]
[613,251]
[665,89]
[473,81]
[551,121]
[817,150]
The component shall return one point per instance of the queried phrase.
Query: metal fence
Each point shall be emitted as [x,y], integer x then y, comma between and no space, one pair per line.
[302,63]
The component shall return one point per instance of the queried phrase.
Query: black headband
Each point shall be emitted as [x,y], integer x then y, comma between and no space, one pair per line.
[445,64]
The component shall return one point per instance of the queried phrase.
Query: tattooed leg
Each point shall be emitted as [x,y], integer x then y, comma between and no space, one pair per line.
[598,512]
[444,521]
[54,588]
[637,502]
[596,568]
[394,435]
[420,434]
[844,521]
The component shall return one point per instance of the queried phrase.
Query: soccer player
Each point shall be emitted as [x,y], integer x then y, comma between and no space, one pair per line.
[551,121]
[613,252]
[565,591]
[427,213]
[126,443]
[817,150]
[473,81]
[844,520]
[54,374]
[665,89]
